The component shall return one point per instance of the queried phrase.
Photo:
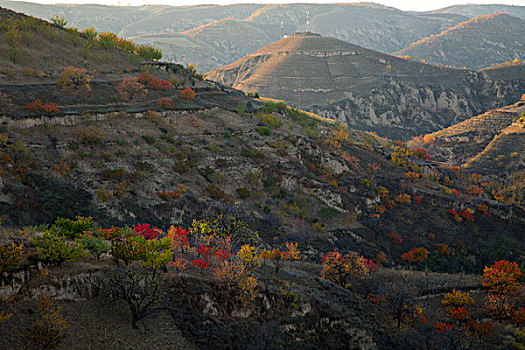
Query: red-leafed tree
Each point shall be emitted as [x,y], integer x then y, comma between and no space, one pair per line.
[502,279]
[130,89]
[416,255]
[187,93]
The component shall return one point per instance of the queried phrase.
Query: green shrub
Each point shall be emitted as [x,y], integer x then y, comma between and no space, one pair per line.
[264,131]
[149,52]
[148,139]
[272,120]
[52,247]
[73,229]
[129,249]
[303,119]
[106,41]
[243,192]
[271,107]
[158,253]
[59,21]
[96,246]
[240,109]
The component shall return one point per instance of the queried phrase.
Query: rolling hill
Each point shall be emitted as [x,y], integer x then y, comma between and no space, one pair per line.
[367,89]
[477,43]
[207,29]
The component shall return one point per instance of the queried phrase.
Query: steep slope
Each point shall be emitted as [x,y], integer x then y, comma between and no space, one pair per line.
[477,43]
[367,89]
[124,163]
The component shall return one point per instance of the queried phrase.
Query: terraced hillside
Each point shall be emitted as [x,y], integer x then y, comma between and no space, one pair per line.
[477,43]
[464,141]
[366,89]
[491,144]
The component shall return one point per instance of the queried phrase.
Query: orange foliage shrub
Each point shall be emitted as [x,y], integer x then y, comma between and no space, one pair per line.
[404,199]
[278,257]
[502,277]
[442,249]
[187,93]
[11,257]
[412,175]
[154,83]
[416,255]
[74,80]
[38,106]
[165,103]
[457,299]
[429,138]
[236,281]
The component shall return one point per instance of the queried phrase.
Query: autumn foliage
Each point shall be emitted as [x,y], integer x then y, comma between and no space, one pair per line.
[165,103]
[187,93]
[74,80]
[416,255]
[38,106]
[154,83]
[130,89]
[341,269]
[11,257]
[278,257]
[502,277]
[49,329]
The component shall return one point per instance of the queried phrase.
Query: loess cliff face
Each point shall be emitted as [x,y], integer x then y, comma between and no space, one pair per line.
[369,90]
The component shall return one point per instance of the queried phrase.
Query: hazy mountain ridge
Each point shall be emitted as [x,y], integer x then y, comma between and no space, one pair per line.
[477,43]
[202,34]
[472,11]
[370,25]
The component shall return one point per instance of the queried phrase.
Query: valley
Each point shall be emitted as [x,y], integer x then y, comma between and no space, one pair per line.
[311,190]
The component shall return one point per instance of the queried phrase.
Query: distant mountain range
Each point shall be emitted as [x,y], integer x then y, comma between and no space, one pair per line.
[476,43]
[367,89]
[212,36]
